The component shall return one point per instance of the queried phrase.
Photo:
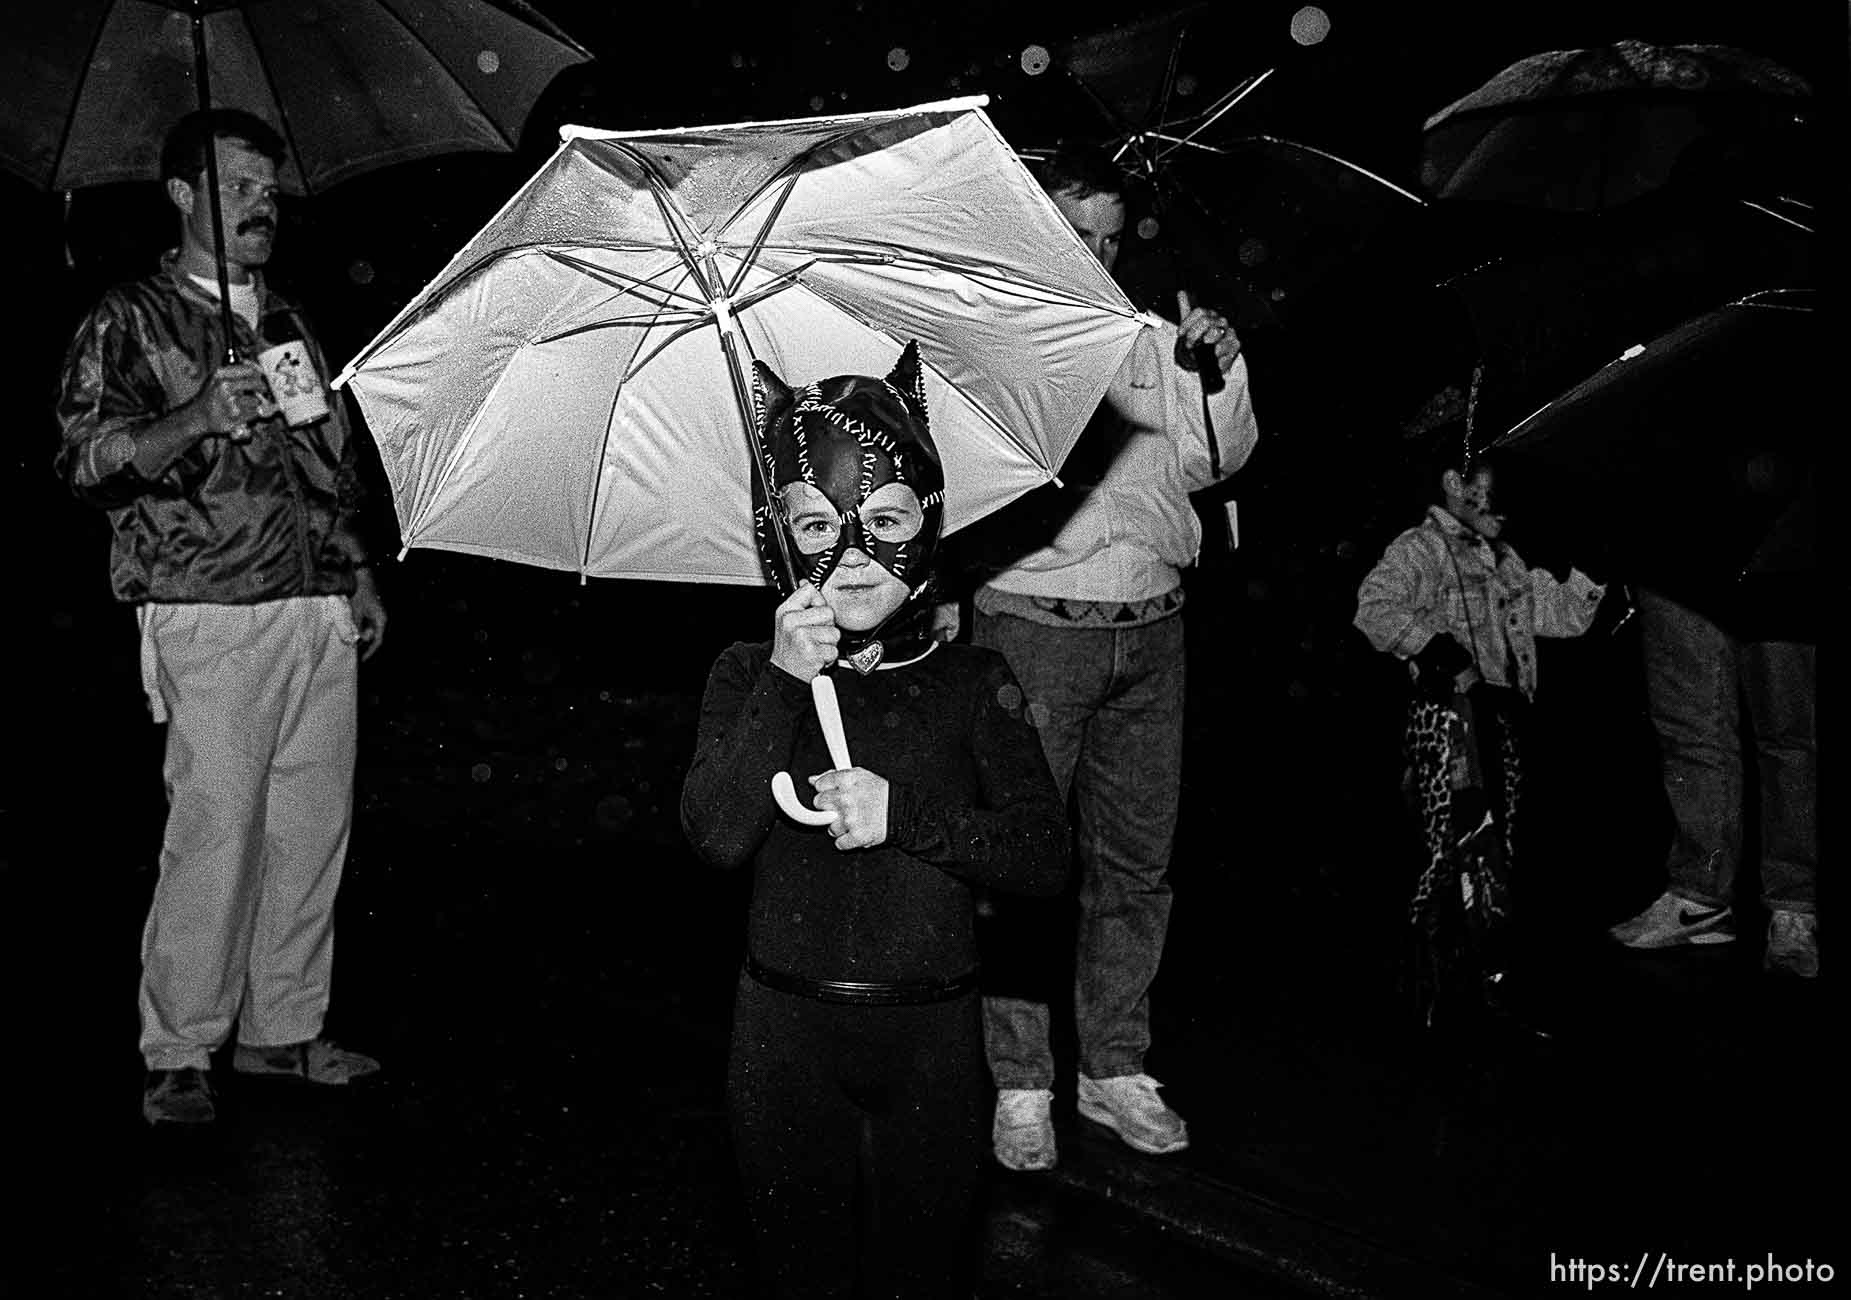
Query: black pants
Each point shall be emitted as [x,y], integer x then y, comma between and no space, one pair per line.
[860,1137]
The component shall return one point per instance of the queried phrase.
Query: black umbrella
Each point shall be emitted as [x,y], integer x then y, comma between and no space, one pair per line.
[351,85]
[1689,461]
[1238,216]
[1586,129]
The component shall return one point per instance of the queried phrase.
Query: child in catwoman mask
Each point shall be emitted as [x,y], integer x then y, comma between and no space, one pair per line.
[856,1068]
[860,496]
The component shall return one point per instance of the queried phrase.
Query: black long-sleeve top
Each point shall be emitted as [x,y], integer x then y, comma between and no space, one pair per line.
[970,802]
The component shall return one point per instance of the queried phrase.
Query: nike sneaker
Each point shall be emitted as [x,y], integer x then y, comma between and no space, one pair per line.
[1672,922]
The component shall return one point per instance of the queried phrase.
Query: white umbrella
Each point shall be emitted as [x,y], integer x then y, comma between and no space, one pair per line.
[571,390]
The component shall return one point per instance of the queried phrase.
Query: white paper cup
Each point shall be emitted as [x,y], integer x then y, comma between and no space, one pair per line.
[293,382]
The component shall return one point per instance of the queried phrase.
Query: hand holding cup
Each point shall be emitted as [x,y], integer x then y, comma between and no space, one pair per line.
[234,398]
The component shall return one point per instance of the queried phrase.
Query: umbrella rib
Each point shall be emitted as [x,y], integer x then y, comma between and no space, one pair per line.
[417,39]
[673,218]
[979,273]
[643,289]
[750,259]
[1001,429]
[1221,107]
[1341,162]
[610,421]
[263,66]
[1169,73]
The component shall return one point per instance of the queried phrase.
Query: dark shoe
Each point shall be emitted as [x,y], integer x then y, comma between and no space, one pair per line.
[1792,944]
[317,1061]
[181,1096]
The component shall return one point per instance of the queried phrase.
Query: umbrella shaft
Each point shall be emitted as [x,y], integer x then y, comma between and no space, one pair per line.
[742,395]
[212,180]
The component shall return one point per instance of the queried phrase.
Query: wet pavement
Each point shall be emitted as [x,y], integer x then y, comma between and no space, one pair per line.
[546,973]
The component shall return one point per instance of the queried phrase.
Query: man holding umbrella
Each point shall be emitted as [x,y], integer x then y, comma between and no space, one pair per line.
[1081,589]
[235,540]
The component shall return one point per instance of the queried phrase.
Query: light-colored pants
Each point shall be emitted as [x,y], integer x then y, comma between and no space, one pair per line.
[260,701]
[1107,704]
[1705,689]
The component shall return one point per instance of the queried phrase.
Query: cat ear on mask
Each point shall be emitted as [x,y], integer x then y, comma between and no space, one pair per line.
[771,398]
[907,378]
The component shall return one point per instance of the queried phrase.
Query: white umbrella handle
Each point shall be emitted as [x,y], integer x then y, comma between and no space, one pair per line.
[829,713]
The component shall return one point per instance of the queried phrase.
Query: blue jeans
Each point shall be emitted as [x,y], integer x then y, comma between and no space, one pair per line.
[1108,706]
[1702,685]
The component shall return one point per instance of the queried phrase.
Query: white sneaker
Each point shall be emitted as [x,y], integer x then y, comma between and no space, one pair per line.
[1023,1132]
[1128,1105]
[1792,944]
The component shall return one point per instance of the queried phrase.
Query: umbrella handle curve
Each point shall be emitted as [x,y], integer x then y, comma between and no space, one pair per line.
[829,714]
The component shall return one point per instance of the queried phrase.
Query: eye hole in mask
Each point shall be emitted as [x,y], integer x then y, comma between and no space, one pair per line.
[891,514]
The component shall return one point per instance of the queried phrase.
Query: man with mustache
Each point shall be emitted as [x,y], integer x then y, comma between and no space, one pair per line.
[235,540]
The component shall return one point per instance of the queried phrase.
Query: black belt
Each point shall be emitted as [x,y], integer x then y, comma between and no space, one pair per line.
[890,993]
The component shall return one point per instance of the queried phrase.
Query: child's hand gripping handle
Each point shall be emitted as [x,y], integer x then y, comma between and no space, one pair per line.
[829,713]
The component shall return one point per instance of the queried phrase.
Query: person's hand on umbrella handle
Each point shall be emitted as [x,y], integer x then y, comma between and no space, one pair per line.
[1204,327]
[829,714]
[858,799]
[804,634]
[947,621]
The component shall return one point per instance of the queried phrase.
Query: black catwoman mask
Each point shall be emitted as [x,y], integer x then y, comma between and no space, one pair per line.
[865,445]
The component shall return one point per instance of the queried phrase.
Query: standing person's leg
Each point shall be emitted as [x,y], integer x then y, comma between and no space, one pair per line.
[215,686]
[1780,685]
[1127,787]
[797,1140]
[308,816]
[1434,909]
[1692,681]
[925,1149]
[1063,673]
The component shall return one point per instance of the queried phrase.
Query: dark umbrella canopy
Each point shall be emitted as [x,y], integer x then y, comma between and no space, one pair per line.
[1689,461]
[1587,129]
[351,84]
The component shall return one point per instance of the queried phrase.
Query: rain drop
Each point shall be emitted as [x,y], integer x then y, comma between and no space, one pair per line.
[480,773]
[488,61]
[1185,83]
[898,59]
[360,271]
[816,103]
[1253,251]
[1148,228]
[1035,59]
[1310,25]
[737,59]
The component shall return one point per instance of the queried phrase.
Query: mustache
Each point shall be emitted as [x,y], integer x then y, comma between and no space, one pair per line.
[256,223]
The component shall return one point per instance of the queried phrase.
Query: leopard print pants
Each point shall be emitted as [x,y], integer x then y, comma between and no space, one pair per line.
[1465,786]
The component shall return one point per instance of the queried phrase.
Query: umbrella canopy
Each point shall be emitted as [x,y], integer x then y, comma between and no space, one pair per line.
[1690,458]
[570,390]
[352,85]
[1581,130]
